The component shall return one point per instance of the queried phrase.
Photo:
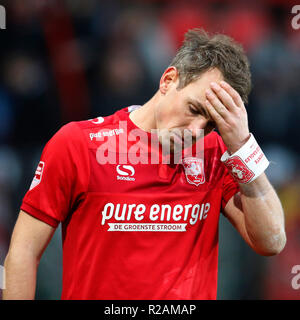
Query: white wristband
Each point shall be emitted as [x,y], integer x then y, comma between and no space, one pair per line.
[246,164]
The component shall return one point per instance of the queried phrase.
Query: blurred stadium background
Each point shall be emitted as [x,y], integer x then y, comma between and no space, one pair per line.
[66,60]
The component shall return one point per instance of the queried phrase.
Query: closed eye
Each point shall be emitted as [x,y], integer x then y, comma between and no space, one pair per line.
[194,110]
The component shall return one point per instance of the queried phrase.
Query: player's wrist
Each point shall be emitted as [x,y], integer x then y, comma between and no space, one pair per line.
[247,163]
[234,147]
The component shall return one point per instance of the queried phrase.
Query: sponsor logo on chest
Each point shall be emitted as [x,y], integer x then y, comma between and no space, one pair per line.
[125,172]
[155,217]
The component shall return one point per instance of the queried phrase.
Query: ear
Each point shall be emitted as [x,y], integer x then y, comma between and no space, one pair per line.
[169,78]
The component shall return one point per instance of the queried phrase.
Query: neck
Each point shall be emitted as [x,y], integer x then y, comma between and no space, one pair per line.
[145,117]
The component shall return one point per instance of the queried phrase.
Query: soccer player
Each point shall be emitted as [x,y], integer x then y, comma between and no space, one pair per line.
[138,230]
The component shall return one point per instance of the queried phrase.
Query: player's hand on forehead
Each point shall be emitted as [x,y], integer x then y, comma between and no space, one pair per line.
[223,93]
[227,109]
[233,94]
[222,100]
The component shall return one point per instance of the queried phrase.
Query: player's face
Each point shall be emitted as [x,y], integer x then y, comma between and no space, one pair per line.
[181,109]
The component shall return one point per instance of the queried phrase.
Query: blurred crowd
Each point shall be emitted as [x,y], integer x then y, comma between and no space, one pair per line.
[68,60]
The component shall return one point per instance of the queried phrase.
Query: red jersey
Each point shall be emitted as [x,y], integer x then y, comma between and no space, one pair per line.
[131,231]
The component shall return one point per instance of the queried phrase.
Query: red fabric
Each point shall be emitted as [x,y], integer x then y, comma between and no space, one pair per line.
[39,215]
[89,199]
[67,63]
[181,17]
[230,186]
[248,27]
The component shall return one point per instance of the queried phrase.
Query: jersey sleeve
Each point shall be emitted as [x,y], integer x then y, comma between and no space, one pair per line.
[230,186]
[61,178]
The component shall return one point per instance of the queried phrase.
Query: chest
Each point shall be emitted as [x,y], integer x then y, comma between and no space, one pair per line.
[189,177]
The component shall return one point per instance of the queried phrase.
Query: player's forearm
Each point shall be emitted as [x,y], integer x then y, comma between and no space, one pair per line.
[20,277]
[264,216]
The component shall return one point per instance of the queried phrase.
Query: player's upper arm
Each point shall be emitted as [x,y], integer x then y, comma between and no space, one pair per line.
[234,213]
[30,236]
[62,177]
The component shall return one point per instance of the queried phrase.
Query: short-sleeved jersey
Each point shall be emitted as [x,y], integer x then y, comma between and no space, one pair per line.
[130,231]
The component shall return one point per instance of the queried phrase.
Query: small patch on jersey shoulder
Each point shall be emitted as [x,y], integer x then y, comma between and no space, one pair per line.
[97,120]
[38,175]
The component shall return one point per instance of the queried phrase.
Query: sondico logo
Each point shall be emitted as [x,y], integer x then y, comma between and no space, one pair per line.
[2,18]
[125,172]
[296,278]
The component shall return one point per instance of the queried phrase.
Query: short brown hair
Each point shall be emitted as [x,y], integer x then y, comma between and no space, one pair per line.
[201,52]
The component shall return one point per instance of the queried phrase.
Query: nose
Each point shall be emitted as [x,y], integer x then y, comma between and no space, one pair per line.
[197,125]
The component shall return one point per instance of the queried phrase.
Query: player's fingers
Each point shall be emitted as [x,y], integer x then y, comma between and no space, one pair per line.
[217,104]
[224,96]
[218,119]
[233,93]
